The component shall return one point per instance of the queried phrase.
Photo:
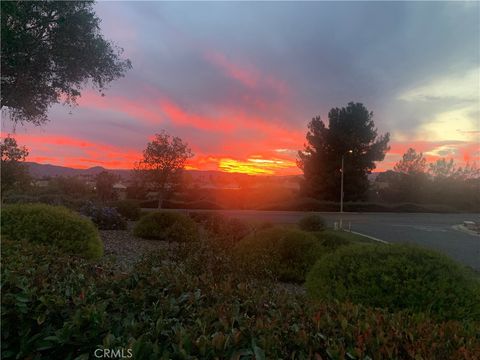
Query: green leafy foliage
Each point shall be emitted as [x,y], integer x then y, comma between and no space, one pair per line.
[61,307]
[332,240]
[129,209]
[50,50]
[166,226]
[49,199]
[397,277]
[14,173]
[312,222]
[104,182]
[286,254]
[51,225]
[163,161]
[350,134]
[227,231]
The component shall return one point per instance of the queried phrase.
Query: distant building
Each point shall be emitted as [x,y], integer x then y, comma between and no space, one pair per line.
[41,183]
[120,190]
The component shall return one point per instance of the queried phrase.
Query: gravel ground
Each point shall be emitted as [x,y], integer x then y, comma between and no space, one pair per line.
[127,248]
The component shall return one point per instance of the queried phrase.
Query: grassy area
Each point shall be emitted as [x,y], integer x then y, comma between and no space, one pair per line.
[346,235]
[350,236]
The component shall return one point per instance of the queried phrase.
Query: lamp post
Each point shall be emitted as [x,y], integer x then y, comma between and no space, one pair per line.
[341,188]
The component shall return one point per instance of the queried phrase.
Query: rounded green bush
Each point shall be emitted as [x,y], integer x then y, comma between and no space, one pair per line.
[167,226]
[55,225]
[397,277]
[286,254]
[312,222]
[129,209]
[331,241]
[226,231]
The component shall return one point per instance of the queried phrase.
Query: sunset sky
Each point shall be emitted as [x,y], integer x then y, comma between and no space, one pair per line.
[240,81]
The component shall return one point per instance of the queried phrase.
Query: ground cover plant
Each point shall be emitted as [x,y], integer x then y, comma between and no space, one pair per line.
[228,231]
[106,218]
[333,240]
[398,277]
[312,222]
[129,209]
[167,226]
[67,307]
[283,253]
[55,225]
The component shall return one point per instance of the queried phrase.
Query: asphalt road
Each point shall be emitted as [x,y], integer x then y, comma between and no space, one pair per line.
[435,231]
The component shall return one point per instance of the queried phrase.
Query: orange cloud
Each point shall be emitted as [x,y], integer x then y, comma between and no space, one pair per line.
[137,110]
[181,117]
[75,152]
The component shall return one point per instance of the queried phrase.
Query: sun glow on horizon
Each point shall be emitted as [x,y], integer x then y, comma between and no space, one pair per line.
[258,166]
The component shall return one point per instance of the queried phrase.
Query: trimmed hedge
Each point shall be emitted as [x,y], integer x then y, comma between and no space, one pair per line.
[311,204]
[51,225]
[397,277]
[312,222]
[167,226]
[48,199]
[129,209]
[286,254]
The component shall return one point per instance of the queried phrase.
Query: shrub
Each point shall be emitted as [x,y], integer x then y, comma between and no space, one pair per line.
[212,221]
[129,209]
[397,277]
[106,218]
[312,222]
[286,254]
[49,199]
[227,230]
[19,199]
[330,240]
[67,308]
[167,226]
[51,225]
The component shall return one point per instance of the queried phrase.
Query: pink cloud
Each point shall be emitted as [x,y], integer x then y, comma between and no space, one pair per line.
[247,77]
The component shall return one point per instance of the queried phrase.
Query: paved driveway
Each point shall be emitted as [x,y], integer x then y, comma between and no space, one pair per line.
[435,231]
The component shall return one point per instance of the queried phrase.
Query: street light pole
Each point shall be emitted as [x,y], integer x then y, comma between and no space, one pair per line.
[341,193]
[341,186]
[341,189]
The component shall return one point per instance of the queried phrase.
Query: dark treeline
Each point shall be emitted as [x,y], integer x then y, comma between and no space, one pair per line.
[443,182]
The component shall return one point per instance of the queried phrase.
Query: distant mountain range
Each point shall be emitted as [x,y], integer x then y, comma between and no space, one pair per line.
[47,170]
[39,171]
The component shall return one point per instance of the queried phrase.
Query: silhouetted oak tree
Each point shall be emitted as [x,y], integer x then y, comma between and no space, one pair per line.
[409,180]
[350,128]
[162,164]
[50,50]
[104,182]
[411,163]
[14,173]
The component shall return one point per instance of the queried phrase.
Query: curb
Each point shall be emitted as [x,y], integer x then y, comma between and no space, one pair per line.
[465,230]
[370,237]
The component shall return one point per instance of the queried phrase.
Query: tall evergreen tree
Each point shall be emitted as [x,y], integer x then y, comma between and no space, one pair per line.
[350,133]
